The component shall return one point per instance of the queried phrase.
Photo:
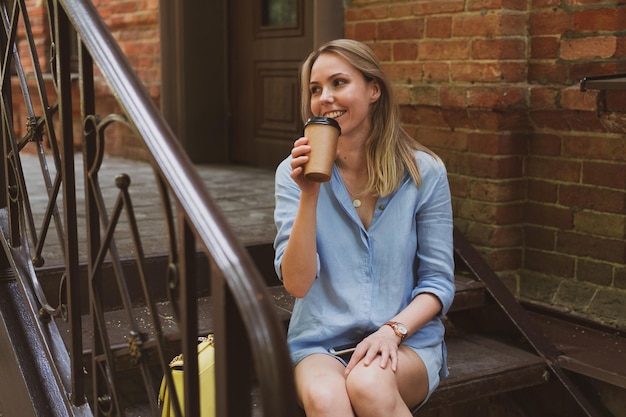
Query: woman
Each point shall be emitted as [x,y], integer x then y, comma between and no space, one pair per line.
[369,254]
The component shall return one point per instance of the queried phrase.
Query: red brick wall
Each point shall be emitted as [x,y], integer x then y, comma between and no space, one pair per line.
[537,168]
[135,26]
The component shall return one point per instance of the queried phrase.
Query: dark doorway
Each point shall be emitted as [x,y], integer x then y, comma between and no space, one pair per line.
[230,73]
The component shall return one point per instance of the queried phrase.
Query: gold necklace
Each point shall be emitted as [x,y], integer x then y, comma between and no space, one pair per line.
[356,202]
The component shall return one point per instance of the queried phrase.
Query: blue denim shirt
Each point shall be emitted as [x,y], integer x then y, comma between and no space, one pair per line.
[366,276]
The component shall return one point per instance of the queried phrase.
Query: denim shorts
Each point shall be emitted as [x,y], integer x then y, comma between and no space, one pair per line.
[432,357]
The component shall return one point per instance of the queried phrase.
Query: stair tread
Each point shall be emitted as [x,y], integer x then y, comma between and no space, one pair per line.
[589,351]
[481,366]
[468,292]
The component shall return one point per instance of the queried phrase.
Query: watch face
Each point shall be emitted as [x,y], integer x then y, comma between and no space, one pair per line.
[401,328]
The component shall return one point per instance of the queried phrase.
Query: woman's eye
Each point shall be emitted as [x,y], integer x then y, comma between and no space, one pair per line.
[315,90]
[339,82]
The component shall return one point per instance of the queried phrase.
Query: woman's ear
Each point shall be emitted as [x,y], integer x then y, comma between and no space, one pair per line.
[374,91]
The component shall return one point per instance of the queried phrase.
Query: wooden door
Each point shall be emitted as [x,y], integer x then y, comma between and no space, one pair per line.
[268,40]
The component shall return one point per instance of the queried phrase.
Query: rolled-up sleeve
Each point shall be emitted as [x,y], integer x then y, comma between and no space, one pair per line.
[435,246]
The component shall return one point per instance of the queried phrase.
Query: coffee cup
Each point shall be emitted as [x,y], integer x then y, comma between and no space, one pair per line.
[323,133]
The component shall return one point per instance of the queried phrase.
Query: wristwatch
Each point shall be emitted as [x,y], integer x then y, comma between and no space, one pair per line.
[398,328]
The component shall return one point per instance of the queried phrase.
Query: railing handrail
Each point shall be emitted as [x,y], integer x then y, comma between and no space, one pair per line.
[199,218]
[204,217]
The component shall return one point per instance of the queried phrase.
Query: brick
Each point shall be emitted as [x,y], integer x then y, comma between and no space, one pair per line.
[574,99]
[497,97]
[382,50]
[451,96]
[619,281]
[497,143]
[592,198]
[400,10]
[443,50]
[554,264]
[423,8]
[613,122]
[373,12]
[537,4]
[405,72]
[497,191]
[542,191]
[552,22]
[599,20]
[545,145]
[476,211]
[576,244]
[431,116]
[490,167]
[504,259]
[544,47]
[439,27]
[595,147]
[501,49]
[612,175]
[600,224]
[555,169]
[539,238]
[436,72]
[458,186]
[584,121]
[544,97]
[547,73]
[404,51]
[491,120]
[364,31]
[401,29]
[550,216]
[487,235]
[497,4]
[484,212]
[596,47]
[615,101]
[488,25]
[349,31]
[424,95]
[442,138]
[458,118]
[489,72]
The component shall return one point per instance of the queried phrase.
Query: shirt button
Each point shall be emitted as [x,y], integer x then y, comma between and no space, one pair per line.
[381,207]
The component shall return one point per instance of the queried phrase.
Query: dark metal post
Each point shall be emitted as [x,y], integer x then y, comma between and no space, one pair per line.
[189,316]
[63,60]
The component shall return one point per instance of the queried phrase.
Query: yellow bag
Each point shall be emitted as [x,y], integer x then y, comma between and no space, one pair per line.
[206,368]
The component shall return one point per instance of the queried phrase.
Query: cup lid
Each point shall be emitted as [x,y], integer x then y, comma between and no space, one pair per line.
[323,120]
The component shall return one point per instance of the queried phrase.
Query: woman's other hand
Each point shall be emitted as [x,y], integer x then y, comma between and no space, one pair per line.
[383,342]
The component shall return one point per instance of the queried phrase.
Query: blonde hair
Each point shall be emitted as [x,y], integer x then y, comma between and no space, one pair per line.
[390,149]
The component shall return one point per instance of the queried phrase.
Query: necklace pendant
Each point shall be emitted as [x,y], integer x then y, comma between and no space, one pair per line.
[356,203]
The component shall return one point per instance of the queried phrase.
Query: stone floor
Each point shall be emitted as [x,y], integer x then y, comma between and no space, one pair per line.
[245,195]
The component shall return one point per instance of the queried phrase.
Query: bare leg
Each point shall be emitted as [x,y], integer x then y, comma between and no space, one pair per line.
[321,387]
[374,391]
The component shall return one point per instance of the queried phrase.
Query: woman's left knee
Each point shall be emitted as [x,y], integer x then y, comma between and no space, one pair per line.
[370,383]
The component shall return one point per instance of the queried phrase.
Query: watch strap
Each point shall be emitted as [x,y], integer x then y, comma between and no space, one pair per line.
[394,326]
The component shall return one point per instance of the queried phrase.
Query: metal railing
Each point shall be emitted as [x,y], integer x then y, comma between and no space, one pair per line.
[255,358]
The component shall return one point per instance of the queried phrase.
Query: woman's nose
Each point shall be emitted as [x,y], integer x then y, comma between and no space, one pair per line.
[326,96]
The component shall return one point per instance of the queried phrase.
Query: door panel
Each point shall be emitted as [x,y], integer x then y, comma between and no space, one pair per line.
[267,44]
